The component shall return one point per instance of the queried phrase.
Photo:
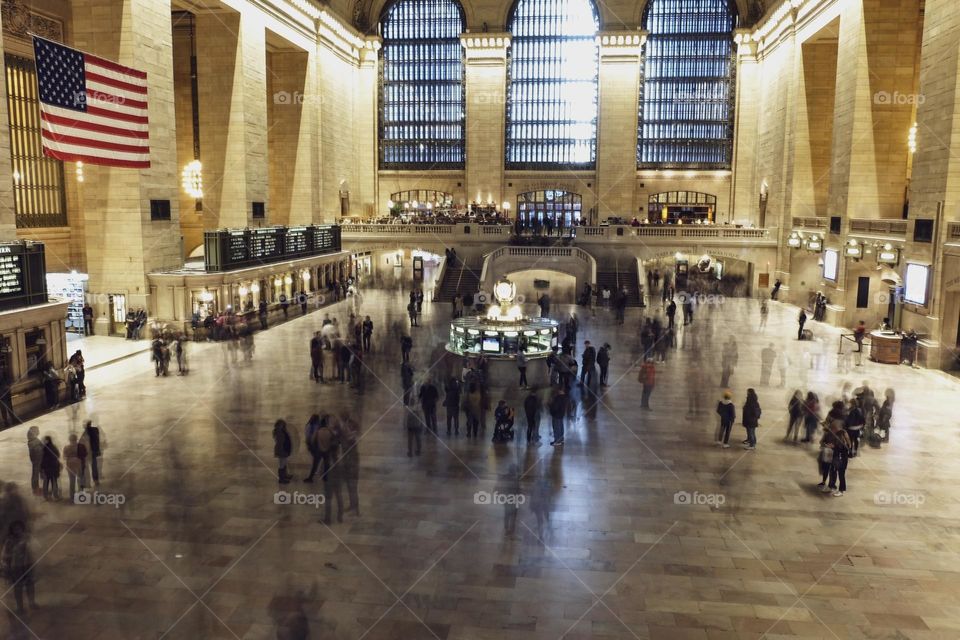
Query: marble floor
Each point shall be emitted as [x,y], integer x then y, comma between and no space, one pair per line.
[648,529]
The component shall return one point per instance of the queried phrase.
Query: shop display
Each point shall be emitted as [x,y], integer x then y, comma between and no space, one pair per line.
[70,286]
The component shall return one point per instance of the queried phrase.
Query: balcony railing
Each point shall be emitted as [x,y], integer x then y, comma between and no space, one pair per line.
[584,235]
[810,223]
[896,228]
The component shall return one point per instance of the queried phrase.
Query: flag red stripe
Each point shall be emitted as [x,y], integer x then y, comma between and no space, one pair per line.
[95,144]
[119,84]
[91,126]
[113,66]
[109,162]
[116,115]
[120,100]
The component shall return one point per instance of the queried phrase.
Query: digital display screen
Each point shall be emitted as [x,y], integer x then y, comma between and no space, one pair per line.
[915,283]
[831,260]
[491,344]
[11,275]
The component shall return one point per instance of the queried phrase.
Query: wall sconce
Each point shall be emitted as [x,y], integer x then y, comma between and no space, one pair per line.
[794,241]
[853,250]
[192,179]
[243,291]
[814,243]
[888,255]
[255,288]
[306,276]
[277,282]
[287,280]
[79,171]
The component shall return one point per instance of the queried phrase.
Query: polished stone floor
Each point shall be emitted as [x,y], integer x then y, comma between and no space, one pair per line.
[650,530]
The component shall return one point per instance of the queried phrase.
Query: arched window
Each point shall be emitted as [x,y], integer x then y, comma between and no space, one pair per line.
[421,86]
[686,106]
[552,96]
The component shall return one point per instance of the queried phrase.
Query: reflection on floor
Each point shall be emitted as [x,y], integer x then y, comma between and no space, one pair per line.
[639,527]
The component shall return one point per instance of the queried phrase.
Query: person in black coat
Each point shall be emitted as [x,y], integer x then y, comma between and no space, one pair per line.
[451,402]
[50,468]
[282,448]
[801,320]
[751,419]
[727,413]
[603,361]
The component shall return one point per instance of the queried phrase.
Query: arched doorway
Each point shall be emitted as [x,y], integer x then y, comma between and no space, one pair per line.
[671,207]
[555,207]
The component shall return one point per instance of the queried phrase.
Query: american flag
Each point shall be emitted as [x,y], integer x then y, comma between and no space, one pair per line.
[91,110]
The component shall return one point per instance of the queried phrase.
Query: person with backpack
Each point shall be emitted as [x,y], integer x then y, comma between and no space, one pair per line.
[728,413]
[282,448]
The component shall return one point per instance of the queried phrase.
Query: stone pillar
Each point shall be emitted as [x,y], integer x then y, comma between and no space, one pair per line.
[122,243]
[874,108]
[935,183]
[620,54]
[485,80]
[744,201]
[231,70]
[366,202]
[293,108]
[8,222]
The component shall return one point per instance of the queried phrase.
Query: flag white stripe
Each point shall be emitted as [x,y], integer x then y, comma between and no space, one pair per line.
[106,154]
[93,85]
[93,67]
[81,116]
[117,106]
[61,130]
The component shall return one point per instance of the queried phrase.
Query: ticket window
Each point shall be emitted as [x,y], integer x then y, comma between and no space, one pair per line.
[6,357]
[36,350]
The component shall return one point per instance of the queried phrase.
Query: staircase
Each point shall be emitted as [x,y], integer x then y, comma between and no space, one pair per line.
[618,278]
[459,279]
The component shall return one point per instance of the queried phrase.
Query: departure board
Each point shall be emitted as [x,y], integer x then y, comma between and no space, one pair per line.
[23,274]
[227,249]
[297,241]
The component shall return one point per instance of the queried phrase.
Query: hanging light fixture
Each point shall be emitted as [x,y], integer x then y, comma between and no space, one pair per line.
[192,179]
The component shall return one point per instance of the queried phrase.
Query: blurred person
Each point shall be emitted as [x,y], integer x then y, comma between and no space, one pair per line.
[429,395]
[764,312]
[767,356]
[853,424]
[522,368]
[16,563]
[603,361]
[282,448]
[795,415]
[35,450]
[841,455]
[531,408]
[414,427]
[13,507]
[95,441]
[451,403]
[728,361]
[647,378]
[811,416]
[316,358]
[559,406]
[309,435]
[503,422]
[50,468]
[473,407]
[406,379]
[350,460]
[75,457]
[367,333]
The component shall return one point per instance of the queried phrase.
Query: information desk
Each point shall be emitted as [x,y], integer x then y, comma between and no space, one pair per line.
[885,347]
[476,335]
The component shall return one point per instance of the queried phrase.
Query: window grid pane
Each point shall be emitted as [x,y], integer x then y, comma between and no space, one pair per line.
[687,99]
[421,86]
[38,196]
[551,119]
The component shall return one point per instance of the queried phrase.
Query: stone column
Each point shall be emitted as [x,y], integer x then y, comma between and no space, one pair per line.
[619,91]
[293,108]
[485,80]
[366,201]
[122,243]
[744,201]
[231,71]
[8,223]
[935,183]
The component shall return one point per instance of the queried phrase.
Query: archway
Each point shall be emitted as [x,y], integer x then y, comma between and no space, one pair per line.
[549,207]
[686,207]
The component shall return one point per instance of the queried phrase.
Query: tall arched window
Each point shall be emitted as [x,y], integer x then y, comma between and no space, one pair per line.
[552,96]
[686,106]
[421,86]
